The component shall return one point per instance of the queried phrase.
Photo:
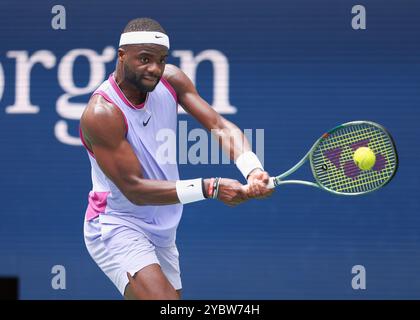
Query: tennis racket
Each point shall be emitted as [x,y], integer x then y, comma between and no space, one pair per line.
[332,164]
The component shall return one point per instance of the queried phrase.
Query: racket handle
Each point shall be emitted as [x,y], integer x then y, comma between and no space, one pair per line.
[270,184]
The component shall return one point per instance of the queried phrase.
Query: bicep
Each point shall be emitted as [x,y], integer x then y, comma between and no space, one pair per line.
[227,133]
[103,127]
[201,110]
[191,101]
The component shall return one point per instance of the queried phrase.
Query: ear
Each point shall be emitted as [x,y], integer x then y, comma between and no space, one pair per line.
[121,54]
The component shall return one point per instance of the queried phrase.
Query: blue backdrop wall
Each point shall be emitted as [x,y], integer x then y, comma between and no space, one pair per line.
[296,68]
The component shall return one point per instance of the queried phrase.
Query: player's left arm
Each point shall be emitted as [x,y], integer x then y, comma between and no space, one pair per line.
[233,141]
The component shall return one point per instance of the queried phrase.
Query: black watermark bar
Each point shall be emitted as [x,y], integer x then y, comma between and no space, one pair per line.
[219,309]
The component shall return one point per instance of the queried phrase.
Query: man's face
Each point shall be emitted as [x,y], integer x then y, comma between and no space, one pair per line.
[143,65]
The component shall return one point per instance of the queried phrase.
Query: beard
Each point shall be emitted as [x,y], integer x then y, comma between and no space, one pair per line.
[137,80]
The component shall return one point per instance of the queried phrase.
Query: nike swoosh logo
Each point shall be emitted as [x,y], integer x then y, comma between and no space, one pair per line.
[145,123]
[191,185]
[158,37]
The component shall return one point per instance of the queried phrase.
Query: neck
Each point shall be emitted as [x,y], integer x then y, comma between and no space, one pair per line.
[134,95]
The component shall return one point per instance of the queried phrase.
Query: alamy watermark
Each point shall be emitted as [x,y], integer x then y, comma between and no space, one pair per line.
[358,22]
[206,145]
[58,22]
[58,281]
[358,282]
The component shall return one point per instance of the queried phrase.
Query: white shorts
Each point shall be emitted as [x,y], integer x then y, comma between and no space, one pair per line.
[129,251]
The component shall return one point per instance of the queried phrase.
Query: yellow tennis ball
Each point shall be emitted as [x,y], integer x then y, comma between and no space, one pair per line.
[364,158]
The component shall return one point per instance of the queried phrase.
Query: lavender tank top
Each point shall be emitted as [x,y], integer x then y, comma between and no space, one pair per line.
[143,122]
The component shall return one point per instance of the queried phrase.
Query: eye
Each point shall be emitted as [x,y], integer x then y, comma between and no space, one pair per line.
[144,60]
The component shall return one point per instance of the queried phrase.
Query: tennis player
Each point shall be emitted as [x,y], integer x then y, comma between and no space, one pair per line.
[136,201]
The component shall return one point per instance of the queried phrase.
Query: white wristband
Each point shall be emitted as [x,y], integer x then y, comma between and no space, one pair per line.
[189,190]
[247,162]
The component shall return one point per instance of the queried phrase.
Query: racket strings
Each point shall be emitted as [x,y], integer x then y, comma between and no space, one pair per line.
[342,175]
[360,180]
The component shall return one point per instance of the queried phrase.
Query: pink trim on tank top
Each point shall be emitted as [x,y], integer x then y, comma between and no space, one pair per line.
[97,204]
[170,89]
[121,94]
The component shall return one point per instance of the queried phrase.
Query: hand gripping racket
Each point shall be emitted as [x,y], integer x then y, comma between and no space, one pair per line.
[332,164]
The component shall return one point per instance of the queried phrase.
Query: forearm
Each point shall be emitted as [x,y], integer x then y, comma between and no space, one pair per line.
[151,192]
[231,138]
[235,143]
[156,192]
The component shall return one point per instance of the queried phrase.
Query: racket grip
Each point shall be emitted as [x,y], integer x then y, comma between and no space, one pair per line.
[270,184]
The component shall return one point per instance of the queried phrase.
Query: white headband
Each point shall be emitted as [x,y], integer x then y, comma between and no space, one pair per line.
[139,37]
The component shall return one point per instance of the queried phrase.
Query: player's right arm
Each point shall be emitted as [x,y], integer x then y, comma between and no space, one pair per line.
[104,131]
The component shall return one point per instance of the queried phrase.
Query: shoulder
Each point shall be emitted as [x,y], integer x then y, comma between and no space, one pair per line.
[102,120]
[178,79]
